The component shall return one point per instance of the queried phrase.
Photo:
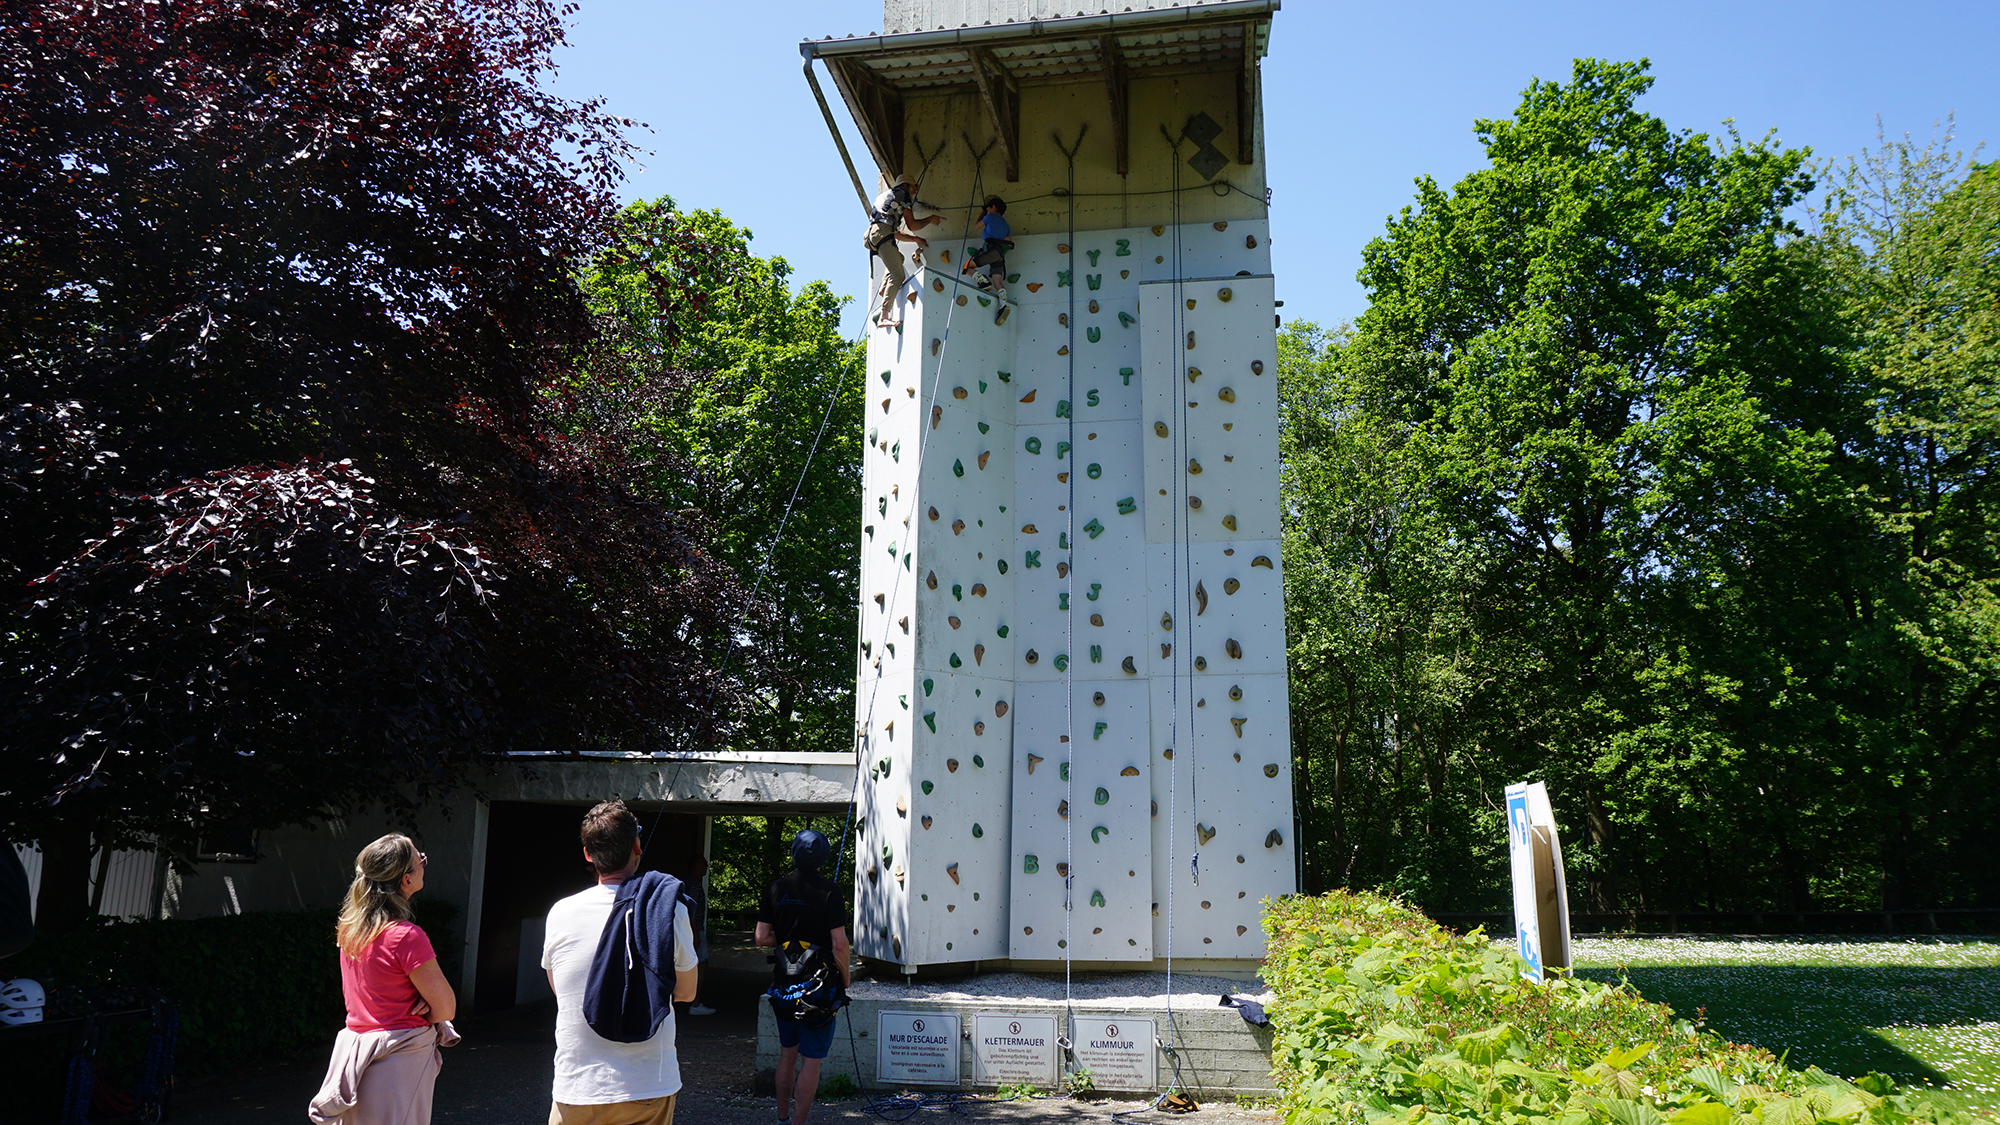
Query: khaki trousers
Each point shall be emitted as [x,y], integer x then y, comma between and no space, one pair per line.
[891,253]
[652,1111]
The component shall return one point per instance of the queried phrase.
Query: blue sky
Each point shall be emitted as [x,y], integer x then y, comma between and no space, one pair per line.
[1359,100]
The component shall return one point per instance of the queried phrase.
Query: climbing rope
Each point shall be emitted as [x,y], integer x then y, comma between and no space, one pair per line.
[1073,759]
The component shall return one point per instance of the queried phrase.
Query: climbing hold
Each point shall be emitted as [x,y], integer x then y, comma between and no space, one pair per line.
[1190,304]
[1241,930]
[1200,598]
[957,592]
[1167,621]
[1098,833]
[1062,810]
[1274,839]
[986,429]
[1000,709]
[937,415]
[1029,397]
[1223,294]
[1097,899]
[927,686]
[1093,528]
[1097,619]
[951,869]
[961,300]
[1190,341]
[1194,502]
[979,728]
[1062,770]
[1238,724]
[1193,374]
[883,765]
[1159,230]
[1127,506]
[1160,428]
[977,831]
[1226,394]
[1270,769]
[1061,661]
[1203,833]
[1030,865]
[957,468]
[952,621]
[1231,585]
[902,805]
[927,822]
[1229,521]
[979,589]
[979,654]
[1194,467]
[1222,225]
[1035,287]
[1097,734]
[1002,630]
[1031,656]
[1249,242]
[930,720]
[1029,529]
[1062,247]
[1234,650]
[1033,761]
[1093,333]
[1103,795]
[955,661]
[933,513]
[1166,650]
[983,457]
[1201,664]
[878,600]
[1263,561]
[1064,350]
[1236,692]
[1093,470]
[1257,367]
[978,762]
[1127,666]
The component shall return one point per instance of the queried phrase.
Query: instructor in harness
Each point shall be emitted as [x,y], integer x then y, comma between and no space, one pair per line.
[802,921]
[893,218]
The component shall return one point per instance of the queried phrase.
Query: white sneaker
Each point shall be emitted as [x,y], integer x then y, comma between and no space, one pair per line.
[701,1010]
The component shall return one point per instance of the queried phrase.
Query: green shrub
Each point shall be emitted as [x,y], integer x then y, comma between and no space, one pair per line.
[1379,1013]
[252,989]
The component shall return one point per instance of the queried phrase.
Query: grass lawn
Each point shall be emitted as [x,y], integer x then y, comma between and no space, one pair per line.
[1925,1011]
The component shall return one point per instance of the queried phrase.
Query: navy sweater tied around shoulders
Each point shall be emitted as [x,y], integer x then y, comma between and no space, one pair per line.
[631,986]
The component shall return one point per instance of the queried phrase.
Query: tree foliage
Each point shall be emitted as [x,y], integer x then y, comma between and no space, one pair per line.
[287,515]
[1591,494]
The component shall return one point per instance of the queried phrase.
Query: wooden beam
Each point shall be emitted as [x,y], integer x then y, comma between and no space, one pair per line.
[1246,98]
[1115,90]
[1002,97]
[877,108]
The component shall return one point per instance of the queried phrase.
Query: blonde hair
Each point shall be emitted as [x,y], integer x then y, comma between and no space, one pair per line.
[375,898]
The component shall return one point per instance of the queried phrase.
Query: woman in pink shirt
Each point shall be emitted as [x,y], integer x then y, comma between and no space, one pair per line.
[385,1061]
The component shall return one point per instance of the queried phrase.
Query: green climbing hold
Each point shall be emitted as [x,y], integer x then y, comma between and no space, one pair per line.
[1062,771]
[1033,445]
[985,302]
[1012,278]
[1098,833]
[1094,280]
[957,592]
[930,720]
[979,761]
[977,831]
[1097,734]
[1126,319]
[1092,470]
[1103,795]
[1093,333]
[1124,248]
[1097,898]
[1097,654]
[1095,587]
[1062,277]
[1095,529]
[1093,255]
[927,687]
[1030,865]
[1003,566]
[888,853]
[982,386]
[885,378]
[927,788]
[983,428]
[1005,376]
[883,765]
[1062,662]
[1127,506]
[958,468]
[955,661]
[1002,630]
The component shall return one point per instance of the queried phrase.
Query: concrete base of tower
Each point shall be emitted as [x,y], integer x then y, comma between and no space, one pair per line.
[1134,1036]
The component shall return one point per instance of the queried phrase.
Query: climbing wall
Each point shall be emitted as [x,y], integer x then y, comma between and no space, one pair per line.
[1072,683]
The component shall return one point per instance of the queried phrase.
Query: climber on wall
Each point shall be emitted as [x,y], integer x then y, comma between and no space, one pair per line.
[994,229]
[893,218]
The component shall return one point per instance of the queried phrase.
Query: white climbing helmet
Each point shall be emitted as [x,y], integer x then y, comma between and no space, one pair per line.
[14,1017]
[21,993]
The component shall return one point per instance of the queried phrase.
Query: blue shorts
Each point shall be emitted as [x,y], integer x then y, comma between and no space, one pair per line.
[812,1042]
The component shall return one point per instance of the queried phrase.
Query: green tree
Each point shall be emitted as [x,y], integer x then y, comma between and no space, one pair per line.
[725,380]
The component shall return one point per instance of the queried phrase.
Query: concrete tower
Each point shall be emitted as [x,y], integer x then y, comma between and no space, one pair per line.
[1071,700]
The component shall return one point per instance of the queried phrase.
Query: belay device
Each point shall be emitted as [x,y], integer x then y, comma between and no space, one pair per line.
[813,994]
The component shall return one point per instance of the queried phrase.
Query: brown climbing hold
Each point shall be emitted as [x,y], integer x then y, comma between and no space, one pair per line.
[1273,840]
[1222,225]
[1203,833]
[1062,570]
[933,513]
[1241,930]
[1263,561]
[1127,666]
[1204,904]
[1062,478]
[1194,502]
[1062,319]
[1062,869]
[1166,621]
[936,344]
[1029,529]
[1062,247]
[1064,350]
[931,579]
[1226,394]
[1031,656]
[1029,397]
[1123,274]
[1231,585]
[979,653]
[1097,619]
[1249,242]
[1029,930]
[1193,374]
[1097,698]
[899,878]
[1000,709]
[1194,467]
[952,621]
[951,869]
[1190,341]
[1224,293]
[904,621]
[879,600]
[1190,304]
[874,873]
[1200,599]
[961,299]
[1238,724]
[1093,305]
[979,728]
[983,457]
[1257,367]
[1062,810]
[1229,521]
[957,527]
[1129,771]
[1034,287]
[958,392]
[951,765]
[979,589]
[1033,761]
[1159,230]
[937,286]
[1168,753]
[927,822]
[1160,428]
[1270,769]
[1236,692]
[937,415]
[1166,650]
[1234,650]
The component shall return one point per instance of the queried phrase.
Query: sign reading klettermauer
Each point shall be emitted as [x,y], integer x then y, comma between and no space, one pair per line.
[1014,1049]
[1119,1054]
[916,1047]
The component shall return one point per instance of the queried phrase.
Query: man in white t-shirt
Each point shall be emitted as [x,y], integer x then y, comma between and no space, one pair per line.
[599,1082]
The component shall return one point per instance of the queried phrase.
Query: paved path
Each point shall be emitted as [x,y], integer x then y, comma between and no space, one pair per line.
[500,1076]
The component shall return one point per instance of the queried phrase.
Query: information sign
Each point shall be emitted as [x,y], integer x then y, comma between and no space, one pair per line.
[1009,1048]
[916,1047]
[1541,899]
[1119,1054]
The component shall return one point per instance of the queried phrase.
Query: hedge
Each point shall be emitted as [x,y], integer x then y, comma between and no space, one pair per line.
[1381,1014]
[253,989]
